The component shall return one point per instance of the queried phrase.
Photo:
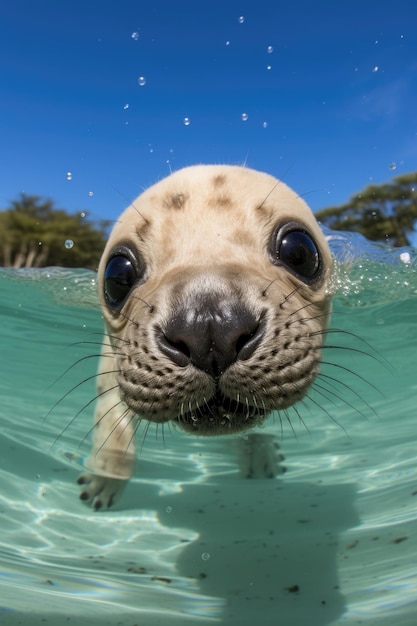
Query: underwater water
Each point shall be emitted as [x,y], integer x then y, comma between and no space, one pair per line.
[333,540]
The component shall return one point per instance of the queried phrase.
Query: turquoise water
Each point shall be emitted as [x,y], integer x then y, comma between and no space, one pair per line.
[331,541]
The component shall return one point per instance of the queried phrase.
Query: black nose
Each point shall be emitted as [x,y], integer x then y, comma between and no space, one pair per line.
[211,336]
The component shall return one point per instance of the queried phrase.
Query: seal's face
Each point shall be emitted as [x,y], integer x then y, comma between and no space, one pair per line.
[213,289]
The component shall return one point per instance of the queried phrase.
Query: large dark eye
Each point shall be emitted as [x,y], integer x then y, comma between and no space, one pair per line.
[119,278]
[296,249]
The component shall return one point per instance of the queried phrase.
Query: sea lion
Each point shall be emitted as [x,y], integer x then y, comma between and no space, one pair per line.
[214,290]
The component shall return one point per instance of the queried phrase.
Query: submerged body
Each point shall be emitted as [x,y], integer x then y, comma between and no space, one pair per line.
[214,290]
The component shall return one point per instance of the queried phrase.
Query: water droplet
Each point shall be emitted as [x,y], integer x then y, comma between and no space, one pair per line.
[91,194]
[205,556]
[393,166]
[141,81]
[187,121]
[241,19]
[126,106]
[264,124]
[270,49]
[244,117]
[69,175]
[135,35]
[405,257]
[375,69]
[69,244]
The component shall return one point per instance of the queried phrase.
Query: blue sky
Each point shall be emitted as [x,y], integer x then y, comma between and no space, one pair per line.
[332,108]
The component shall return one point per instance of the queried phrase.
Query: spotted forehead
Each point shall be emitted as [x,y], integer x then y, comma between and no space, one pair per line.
[163,214]
[236,197]
[219,192]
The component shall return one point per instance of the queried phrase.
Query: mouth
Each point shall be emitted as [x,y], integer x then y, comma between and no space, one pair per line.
[221,415]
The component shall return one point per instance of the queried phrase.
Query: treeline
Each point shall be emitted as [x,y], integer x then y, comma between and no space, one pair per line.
[385,213]
[34,233]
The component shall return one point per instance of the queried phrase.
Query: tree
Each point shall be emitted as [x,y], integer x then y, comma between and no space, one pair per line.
[386,212]
[33,233]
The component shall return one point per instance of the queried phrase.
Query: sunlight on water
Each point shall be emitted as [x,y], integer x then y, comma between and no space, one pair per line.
[191,542]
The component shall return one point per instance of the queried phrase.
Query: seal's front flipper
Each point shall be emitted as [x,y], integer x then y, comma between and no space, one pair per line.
[112,460]
[101,492]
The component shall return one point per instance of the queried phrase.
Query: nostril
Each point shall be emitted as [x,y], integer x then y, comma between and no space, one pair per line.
[181,346]
[243,340]
[177,351]
[248,342]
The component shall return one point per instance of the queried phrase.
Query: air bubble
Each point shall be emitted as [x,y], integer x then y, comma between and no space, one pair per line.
[126,106]
[135,35]
[393,166]
[375,69]
[187,121]
[83,214]
[168,509]
[269,67]
[205,556]
[91,194]
[69,244]
[270,49]
[264,124]
[227,43]
[244,117]
[241,19]
[141,81]
[69,175]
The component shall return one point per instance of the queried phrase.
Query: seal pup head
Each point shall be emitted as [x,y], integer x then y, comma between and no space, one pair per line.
[213,286]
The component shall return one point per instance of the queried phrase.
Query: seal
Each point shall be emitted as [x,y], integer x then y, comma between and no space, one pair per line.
[214,290]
